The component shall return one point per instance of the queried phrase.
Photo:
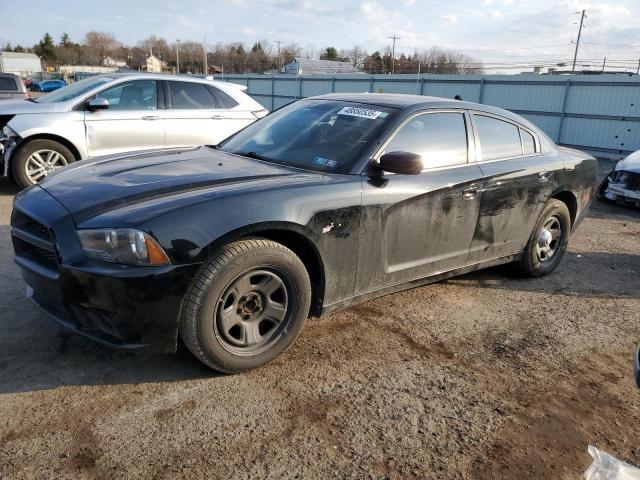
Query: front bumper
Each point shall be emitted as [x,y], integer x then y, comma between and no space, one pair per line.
[125,307]
[624,187]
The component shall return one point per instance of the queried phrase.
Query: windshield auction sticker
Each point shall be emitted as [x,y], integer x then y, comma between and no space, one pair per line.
[362,113]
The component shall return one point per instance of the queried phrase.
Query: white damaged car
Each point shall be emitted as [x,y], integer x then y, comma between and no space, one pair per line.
[623,183]
[117,113]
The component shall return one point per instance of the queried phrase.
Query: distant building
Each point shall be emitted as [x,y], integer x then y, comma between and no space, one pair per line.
[307,66]
[112,62]
[23,64]
[155,65]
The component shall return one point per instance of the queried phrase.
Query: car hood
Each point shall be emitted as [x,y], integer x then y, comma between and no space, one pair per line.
[92,187]
[15,107]
[631,163]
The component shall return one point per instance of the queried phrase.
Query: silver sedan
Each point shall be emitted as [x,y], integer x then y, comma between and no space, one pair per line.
[110,114]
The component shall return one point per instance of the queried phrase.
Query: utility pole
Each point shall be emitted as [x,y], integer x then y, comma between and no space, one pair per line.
[278,42]
[205,67]
[393,53]
[178,56]
[575,55]
[604,62]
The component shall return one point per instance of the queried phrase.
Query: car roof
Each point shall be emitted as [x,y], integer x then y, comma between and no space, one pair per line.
[226,86]
[415,102]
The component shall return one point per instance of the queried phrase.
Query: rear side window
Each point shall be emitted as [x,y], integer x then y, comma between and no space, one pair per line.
[8,84]
[528,143]
[498,139]
[187,95]
[440,138]
[222,99]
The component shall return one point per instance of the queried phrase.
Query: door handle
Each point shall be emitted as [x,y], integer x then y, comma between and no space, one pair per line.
[217,117]
[469,193]
[544,176]
[151,117]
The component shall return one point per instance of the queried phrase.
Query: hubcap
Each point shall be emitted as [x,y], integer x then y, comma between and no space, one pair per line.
[549,239]
[42,162]
[251,313]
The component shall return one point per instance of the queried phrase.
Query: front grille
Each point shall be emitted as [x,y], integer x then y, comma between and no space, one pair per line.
[33,241]
[626,180]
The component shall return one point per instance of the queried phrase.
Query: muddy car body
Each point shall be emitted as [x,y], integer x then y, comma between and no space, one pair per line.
[321,233]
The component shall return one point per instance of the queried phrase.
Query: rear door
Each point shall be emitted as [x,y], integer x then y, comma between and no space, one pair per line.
[414,226]
[201,114]
[133,121]
[518,180]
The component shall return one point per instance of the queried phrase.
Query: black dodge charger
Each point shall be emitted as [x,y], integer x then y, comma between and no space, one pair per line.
[326,202]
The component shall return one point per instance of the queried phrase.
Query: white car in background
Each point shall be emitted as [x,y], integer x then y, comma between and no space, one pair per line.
[622,185]
[122,112]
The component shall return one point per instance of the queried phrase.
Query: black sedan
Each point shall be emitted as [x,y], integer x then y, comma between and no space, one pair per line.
[324,203]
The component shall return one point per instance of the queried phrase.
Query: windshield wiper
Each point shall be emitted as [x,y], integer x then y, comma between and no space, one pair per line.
[251,154]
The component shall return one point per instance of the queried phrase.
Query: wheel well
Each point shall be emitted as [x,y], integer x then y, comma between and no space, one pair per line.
[306,251]
[54,138]
[570,201]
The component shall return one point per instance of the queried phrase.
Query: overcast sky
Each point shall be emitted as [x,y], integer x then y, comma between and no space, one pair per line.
[495,31]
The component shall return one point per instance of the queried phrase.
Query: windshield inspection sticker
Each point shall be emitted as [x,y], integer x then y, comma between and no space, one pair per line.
[362,113]
[325,162]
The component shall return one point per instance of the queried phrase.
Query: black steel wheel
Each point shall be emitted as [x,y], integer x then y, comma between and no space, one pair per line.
[246,306]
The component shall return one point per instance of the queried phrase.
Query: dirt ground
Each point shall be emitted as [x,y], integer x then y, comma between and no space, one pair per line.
[485,376]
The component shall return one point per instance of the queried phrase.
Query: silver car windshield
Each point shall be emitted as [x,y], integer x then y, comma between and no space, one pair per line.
[74,90]
[321,135]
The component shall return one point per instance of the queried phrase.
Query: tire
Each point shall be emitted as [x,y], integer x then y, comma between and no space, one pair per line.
[225,321]
[535,262]
[58,154]
[602,188]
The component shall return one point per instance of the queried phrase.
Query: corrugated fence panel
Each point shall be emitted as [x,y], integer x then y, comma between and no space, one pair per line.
[468,91]
[604,100]
[598,113]
[538,98]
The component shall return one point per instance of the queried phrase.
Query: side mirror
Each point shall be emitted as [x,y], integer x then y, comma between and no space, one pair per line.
[97,104]
[404,163]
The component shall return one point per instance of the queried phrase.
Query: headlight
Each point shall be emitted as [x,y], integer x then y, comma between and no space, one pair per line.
[122,245]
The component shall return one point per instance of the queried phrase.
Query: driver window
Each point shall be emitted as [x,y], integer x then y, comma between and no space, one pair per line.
[136,95]
[440,138]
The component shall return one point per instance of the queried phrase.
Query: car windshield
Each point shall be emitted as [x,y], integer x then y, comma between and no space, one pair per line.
[75,89]
[322,135]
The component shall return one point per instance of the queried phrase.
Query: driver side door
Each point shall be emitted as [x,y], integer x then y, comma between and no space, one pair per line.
[133,121]
[414,226]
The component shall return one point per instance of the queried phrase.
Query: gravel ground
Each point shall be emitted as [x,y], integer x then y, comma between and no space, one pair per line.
[485,376]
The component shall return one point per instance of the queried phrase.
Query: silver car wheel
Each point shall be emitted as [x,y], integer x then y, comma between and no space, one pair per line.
[549,239]
[42,162]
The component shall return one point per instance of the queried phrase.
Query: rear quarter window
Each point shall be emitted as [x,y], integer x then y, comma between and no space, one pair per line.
[8,84]
[222,99]
[498,139]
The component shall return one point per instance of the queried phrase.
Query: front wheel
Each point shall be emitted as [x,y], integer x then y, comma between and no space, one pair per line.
[246,306]
[548,241]
[36,159]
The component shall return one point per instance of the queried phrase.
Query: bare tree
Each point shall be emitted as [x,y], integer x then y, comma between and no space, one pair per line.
[99,45]
[356,54]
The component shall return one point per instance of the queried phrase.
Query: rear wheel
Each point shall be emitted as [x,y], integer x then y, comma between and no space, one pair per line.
[548,241]
[38,158]
[246,306]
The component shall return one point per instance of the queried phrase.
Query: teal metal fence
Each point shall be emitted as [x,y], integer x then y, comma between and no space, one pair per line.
[596,113]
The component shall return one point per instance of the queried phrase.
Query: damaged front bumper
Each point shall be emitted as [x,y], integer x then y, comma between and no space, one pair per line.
[8,144]
[623,187]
